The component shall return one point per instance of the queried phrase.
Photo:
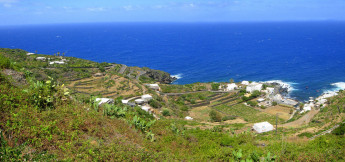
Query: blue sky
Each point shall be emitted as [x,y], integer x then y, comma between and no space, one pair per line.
[14,12]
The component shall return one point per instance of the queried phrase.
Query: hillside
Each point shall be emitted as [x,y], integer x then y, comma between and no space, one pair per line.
[48,112]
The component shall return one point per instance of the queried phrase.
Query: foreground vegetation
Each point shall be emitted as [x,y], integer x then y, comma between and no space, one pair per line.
[41,120]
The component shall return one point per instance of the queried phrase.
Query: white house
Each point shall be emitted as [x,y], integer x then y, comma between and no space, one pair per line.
[263,127]
[57,62]
[154,86]
[40,58]
[254,87]
[231,87]
[307,107]
[125,102]
[139,101]
[104,101]
[188,118]
[28,54]
[146,97]
[145,108]
[245,82]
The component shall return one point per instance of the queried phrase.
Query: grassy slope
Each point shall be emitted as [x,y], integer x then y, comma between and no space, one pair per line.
[74,130]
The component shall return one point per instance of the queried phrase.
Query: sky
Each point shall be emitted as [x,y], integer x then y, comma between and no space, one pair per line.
[19,12]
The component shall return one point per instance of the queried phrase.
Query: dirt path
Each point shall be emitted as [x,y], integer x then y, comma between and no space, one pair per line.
[303,120]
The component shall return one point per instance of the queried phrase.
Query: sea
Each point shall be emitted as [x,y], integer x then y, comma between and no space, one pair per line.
[309,56]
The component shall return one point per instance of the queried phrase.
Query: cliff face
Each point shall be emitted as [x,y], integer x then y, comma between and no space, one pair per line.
[160,76]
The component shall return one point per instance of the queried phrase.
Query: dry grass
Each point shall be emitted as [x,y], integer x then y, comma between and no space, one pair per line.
[282,111]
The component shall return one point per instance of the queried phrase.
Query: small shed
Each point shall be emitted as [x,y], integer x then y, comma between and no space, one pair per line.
[139,101]
[263,127]
[124,102]
[104,101]
[28,54]
[188,118]
[145,108]
[146,97]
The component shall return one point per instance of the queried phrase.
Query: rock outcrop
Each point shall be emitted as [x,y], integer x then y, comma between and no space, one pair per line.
[160,76]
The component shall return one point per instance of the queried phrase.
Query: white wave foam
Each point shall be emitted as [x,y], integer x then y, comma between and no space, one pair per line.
[177,76]
[283,84]
[333,92]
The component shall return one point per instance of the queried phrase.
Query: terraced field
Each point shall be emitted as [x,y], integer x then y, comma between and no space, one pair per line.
[249,114]
[107,86]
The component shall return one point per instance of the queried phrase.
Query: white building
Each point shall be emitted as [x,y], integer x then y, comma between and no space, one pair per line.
[254,87]
[57,62]
[146,97]
[261,100]
[154,86]
[28,54]
[231,87]
[145,108]
[263,127]
[139,101]
[125,102]
[245,82]
[40,58]
[104,101]
[188,118]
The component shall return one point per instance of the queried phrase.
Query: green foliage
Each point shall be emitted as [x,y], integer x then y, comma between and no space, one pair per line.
[5,63]
[306,134]
[155,104]
[45,95]
[225,118]
[215,116]
[274,103]
[215,86]
[8,153]
[114,111]
[340,130]
[252,103]
[141,124]
[166,112]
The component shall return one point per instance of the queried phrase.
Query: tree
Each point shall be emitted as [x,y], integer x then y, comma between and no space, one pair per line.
[215,116]
[232,81]
[215,86]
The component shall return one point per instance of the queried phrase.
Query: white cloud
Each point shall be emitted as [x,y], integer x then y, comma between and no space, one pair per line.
[96,9]
[8,3]
[128,8]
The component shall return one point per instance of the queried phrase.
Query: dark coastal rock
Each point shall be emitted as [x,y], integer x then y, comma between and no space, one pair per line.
[160,76]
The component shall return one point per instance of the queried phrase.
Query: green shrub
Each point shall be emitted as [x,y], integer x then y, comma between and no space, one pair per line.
[166,112]
[215,86]
[252,103]
[215,116]
[225,118]
[340,130]
[306,134]
[5,63]
[274,103]
[155,104]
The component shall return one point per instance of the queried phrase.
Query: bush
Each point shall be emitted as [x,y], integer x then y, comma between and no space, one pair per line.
[225,118]
[215,86]
[245,98]
[215,116]
[166,112]
[155,104]
[252,103]
[4,62]
[274,103]
[255,94]
[340,130]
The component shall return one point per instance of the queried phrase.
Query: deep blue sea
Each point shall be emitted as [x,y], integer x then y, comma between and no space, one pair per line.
[304,54]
